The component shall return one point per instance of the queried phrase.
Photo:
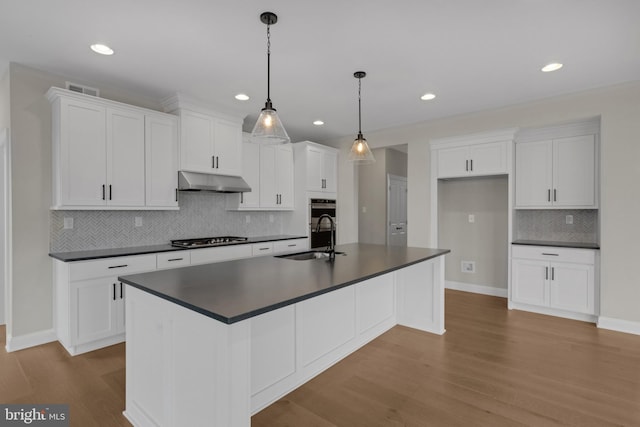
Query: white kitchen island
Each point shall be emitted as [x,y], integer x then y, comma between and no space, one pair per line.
[212,345]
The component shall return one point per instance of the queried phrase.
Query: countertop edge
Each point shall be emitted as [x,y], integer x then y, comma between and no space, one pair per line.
[555,244]
[272,307]
[93,254]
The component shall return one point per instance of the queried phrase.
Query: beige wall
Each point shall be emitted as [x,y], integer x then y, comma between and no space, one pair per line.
[483,241]
[30,114]
[619,109]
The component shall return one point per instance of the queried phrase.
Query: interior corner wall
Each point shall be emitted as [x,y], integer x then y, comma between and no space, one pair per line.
[396,162]
[4,153]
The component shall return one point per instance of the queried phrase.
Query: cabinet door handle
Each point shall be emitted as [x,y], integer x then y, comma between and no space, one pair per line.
[241,198]
[548,195]
[546,273]
[176,194]
[213,162]
[217,162]
[119,266]
[555,199]
[553,273]
[121,293]
[466,165]
[110,193]
[114,291]
[471,162]
[103,192]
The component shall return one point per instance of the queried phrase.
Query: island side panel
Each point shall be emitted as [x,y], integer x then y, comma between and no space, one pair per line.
[184,368]
[420,290]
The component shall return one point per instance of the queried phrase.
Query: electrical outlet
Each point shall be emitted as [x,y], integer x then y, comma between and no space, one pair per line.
[68,222]
[472,218]
[247,219]
[568,219]
[138,221]
[468,266]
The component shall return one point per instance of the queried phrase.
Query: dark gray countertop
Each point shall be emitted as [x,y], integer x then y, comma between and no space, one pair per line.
[236,290]
[140,250]
[577,245]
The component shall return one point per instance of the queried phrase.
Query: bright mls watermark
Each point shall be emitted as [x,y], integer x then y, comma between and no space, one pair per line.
[34,415]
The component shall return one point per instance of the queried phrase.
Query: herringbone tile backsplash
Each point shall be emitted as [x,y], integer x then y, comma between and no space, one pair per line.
[201,215]
[547,224]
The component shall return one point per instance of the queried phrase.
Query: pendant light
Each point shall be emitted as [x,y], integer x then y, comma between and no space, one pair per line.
[268,129]
[360,153]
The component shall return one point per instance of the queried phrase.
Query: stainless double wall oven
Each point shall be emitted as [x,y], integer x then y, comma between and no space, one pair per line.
[321,236]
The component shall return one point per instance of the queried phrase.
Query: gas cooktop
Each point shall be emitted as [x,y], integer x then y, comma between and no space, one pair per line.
[207,241]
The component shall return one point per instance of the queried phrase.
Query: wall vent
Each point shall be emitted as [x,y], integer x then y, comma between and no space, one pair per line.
[83,89]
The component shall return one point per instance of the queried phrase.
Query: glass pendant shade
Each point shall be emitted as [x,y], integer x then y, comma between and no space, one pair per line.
[360,152]
[268,129]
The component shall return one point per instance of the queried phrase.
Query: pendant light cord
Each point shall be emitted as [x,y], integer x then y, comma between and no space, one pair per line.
[268,64]
[359,108]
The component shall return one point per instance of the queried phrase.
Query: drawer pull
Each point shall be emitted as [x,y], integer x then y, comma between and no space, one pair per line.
[545,253]
[264,249]
[175,259]
[119,266]
[293,245]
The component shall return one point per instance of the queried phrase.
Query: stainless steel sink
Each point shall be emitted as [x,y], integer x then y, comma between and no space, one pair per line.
[309,255]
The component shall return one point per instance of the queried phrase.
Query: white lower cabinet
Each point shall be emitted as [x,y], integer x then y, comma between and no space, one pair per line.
[558,281]
[90,300]
[293,245]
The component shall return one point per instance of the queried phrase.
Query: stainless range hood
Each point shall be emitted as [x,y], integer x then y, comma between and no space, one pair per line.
[194,181]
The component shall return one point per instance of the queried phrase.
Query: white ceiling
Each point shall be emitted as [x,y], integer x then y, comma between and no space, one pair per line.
[473,54]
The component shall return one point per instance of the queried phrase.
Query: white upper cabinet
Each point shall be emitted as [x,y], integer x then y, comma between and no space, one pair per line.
[321,169]
[473,160]
[125,158]
[79,153]
[102,158]
[276,177]
[482,154]
[316,167]
[210,144]
[269,172]
[557,173]
[161,147]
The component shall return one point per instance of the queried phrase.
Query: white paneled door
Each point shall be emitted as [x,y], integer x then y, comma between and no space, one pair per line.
[396,210]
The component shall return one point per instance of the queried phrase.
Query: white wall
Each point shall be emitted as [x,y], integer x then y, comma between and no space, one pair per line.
[619,109]
[4,135]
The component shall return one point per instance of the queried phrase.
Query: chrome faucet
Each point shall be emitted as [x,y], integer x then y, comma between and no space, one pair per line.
[332,247]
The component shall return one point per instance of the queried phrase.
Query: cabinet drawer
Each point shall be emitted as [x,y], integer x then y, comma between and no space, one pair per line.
[225,253]
[295,245]
[554,254]
[261,248]
[173,259]
[112,267]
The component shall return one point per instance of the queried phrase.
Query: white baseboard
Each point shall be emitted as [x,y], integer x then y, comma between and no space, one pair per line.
[619,325]
[30,340]
[476,289]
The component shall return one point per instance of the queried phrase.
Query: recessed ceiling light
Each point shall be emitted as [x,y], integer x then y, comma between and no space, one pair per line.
[242,97]
[551,67]
[318,123]
[102,49]
[427,96]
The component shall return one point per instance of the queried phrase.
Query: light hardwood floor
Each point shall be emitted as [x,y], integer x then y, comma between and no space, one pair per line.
[493,367]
